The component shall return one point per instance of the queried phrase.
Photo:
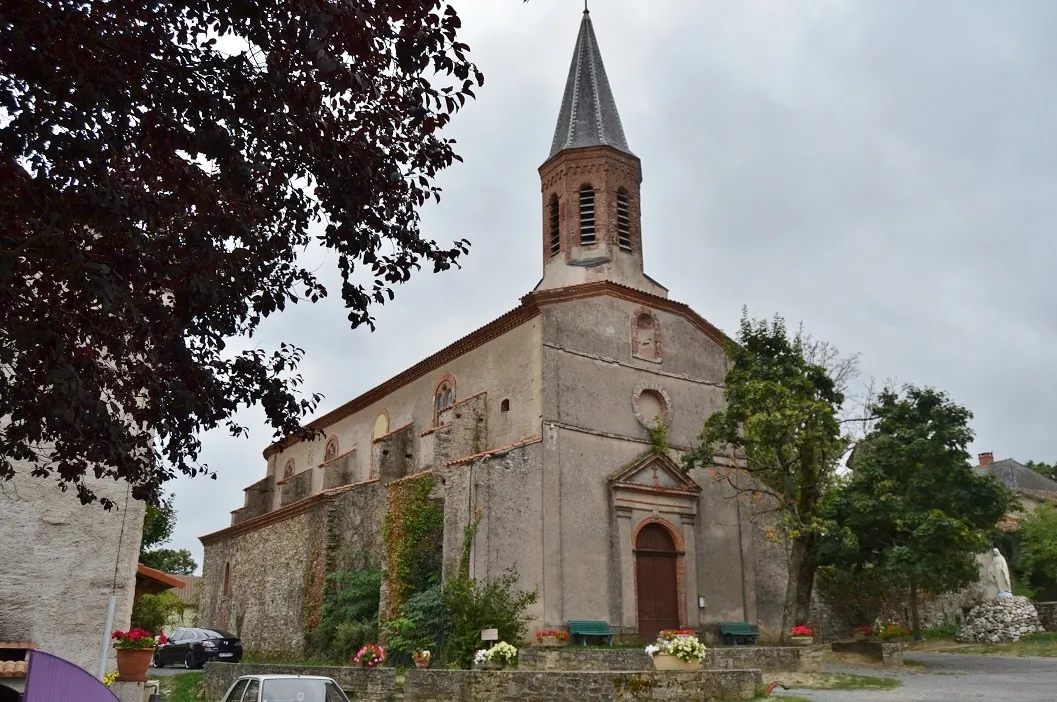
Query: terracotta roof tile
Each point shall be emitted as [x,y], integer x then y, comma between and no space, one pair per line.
[12,669]
[24,645]
[496,451]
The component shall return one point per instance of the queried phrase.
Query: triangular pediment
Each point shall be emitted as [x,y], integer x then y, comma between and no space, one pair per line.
[654,471]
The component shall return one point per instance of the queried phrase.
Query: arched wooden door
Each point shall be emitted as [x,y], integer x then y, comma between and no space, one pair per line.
[656,584]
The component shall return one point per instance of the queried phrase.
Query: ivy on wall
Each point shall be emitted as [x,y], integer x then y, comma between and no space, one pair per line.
[413,534]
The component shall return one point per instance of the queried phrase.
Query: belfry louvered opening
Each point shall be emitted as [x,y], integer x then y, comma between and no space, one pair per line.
[555,227]
[587,215]
[623,220]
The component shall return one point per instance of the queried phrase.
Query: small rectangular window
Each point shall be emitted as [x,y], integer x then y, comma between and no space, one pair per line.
[587,215]
[623,221]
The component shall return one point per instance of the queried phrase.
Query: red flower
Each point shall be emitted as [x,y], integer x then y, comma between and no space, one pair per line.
[162,639]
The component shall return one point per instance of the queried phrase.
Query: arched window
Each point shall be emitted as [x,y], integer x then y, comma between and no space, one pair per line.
[381,425]
[587,215]
[555,227]
[331,451]
[444,398]
[623,220]
[288,469]
[504,406]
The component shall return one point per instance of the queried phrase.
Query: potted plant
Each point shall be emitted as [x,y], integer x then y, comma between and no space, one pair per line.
[552,637]
[892,632]
[421,659]
[863,633]
[495,658]
[135,649]
[676,649]
[801,635]
[370,656]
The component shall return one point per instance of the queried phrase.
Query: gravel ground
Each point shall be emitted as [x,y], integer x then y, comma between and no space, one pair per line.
[950,677]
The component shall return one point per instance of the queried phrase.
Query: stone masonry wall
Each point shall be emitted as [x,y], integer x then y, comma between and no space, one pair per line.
[769,658]
[57,560]
[515,685]
[1047,615]
[276,571]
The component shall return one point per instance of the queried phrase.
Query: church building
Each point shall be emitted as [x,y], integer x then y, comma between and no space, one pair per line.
[558,427]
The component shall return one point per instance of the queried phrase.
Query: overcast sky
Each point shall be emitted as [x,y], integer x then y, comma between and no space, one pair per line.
[884,172]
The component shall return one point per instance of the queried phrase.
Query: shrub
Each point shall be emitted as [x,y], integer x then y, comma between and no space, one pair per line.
[349,617]
[153,612]
[425,624]
[473,606]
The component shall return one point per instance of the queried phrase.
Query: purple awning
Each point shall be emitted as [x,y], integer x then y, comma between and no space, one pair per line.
[53,679]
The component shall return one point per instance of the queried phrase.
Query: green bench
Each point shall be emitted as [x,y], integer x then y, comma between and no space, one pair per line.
[583,629]
[735,633]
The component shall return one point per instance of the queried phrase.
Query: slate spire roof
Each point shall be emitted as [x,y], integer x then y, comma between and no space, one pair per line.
[589,113]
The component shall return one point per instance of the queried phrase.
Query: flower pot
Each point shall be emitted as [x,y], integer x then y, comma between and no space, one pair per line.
[666,661]
[551,641]
[860,635]
[801,640]
[132,664]
[422,663]
[489,665]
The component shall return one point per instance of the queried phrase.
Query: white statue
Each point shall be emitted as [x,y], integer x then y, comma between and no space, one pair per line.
[1000,574]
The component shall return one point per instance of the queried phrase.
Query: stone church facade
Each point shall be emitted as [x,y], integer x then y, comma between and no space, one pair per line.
[537,424]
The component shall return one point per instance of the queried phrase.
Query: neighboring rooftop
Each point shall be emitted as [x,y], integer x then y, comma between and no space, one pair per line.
[188,594]
[1015,475]
[588,116]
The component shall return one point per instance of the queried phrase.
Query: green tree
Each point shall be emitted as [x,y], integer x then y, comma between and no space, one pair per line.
[158,524]
[1047,469]
[169,560]
[162,164]
[913,508]
[781,429]
[1036,561]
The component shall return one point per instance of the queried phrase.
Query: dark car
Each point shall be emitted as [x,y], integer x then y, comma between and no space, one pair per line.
[193,647]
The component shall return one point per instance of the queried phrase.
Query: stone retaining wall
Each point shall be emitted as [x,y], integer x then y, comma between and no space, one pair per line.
[1047,615]
[887,654]
[769,658]
[512,685]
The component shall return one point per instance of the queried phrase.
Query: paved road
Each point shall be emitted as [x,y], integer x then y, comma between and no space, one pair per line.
[952,678]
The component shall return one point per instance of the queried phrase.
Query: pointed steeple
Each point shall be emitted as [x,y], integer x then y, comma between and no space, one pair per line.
[592,220]
[589,113]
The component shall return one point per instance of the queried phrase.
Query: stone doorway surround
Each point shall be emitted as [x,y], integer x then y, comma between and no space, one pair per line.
[653,490]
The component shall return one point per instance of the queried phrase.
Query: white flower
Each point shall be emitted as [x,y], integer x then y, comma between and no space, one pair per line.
[682,647]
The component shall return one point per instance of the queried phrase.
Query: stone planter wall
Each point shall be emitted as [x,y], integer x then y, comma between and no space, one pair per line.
[769,658]
[887,654]
[513,685]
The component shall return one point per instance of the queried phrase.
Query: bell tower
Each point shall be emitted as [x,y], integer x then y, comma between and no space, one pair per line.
[592,224]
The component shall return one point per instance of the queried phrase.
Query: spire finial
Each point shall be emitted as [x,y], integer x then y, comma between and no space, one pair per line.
[586,11]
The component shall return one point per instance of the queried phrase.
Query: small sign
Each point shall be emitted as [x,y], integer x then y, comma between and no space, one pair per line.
[489,634]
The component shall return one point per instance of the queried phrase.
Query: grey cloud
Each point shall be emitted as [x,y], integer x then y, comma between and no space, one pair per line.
[885,172]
